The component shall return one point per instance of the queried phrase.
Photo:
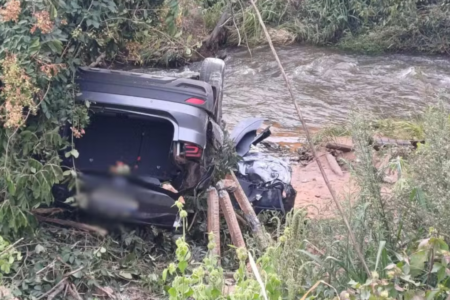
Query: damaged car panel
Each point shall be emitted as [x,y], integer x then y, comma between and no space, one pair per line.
[265,179]
[244,134]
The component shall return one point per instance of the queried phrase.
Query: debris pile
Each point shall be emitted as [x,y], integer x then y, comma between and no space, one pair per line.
[265,179]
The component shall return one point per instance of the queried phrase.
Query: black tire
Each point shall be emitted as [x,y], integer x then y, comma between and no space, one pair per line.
[213,72]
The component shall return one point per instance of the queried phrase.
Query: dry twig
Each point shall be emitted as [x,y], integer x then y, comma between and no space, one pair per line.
[58,290]
[99,59]
[81,226]
[51,292]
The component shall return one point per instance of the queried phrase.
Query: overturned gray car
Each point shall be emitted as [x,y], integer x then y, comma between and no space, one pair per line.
[163,129]
[147,133]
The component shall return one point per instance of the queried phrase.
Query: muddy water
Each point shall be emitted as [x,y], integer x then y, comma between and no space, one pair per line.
[328,84]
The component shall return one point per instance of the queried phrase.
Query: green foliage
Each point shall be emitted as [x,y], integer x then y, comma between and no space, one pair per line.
[420,273]
[202,282]
[388,226]
[375,26]
[369,180]
[211,14]
[8,256]
[426,191]
[400,129]
[330,132]
[247,30]
[225,159]
[355,25]
[391,128]
[282,268]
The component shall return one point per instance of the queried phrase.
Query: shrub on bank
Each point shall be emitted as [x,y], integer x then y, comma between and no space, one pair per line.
[43,43]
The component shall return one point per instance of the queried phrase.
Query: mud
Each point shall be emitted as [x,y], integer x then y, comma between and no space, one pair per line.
[312,192]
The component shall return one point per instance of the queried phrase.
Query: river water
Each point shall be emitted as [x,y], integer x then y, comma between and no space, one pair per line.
[328,85]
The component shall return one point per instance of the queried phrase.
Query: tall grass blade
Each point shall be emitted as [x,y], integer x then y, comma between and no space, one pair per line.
[380,251]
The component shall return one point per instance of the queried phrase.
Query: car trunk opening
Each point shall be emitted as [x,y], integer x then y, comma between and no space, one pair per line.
[143,143]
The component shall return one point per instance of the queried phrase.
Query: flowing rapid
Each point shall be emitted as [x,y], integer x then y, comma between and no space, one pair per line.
[329,85]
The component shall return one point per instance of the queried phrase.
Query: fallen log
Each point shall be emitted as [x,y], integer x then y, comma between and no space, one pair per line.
[340,147]
[334,166]
[377,143]
[214,218]
[230,218]
[81,226]
[380,142]
[249,212]
[48,211]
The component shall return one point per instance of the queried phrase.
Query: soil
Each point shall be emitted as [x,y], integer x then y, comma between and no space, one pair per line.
[312,192]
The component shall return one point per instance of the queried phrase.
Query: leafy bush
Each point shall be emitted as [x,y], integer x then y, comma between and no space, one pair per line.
[8,255]
[389,222]
[43,43]
[422,273]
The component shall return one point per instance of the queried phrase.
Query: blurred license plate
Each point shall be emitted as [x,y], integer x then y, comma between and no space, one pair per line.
[113,200]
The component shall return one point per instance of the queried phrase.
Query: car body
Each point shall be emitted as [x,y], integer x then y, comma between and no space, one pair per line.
[163,129]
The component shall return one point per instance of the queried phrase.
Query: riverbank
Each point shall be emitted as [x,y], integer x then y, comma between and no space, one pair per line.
[193,30]
[374,27]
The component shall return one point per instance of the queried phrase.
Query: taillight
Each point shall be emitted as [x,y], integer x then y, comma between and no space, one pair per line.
[195,101]
[192,151]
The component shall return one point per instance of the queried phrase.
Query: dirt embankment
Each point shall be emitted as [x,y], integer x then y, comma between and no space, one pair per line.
[312,193]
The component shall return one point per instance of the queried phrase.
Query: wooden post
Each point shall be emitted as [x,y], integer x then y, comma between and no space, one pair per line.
[249,212]
[230,217]
[214,218]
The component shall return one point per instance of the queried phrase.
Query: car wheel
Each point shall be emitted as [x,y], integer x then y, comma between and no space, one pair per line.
[212,72]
